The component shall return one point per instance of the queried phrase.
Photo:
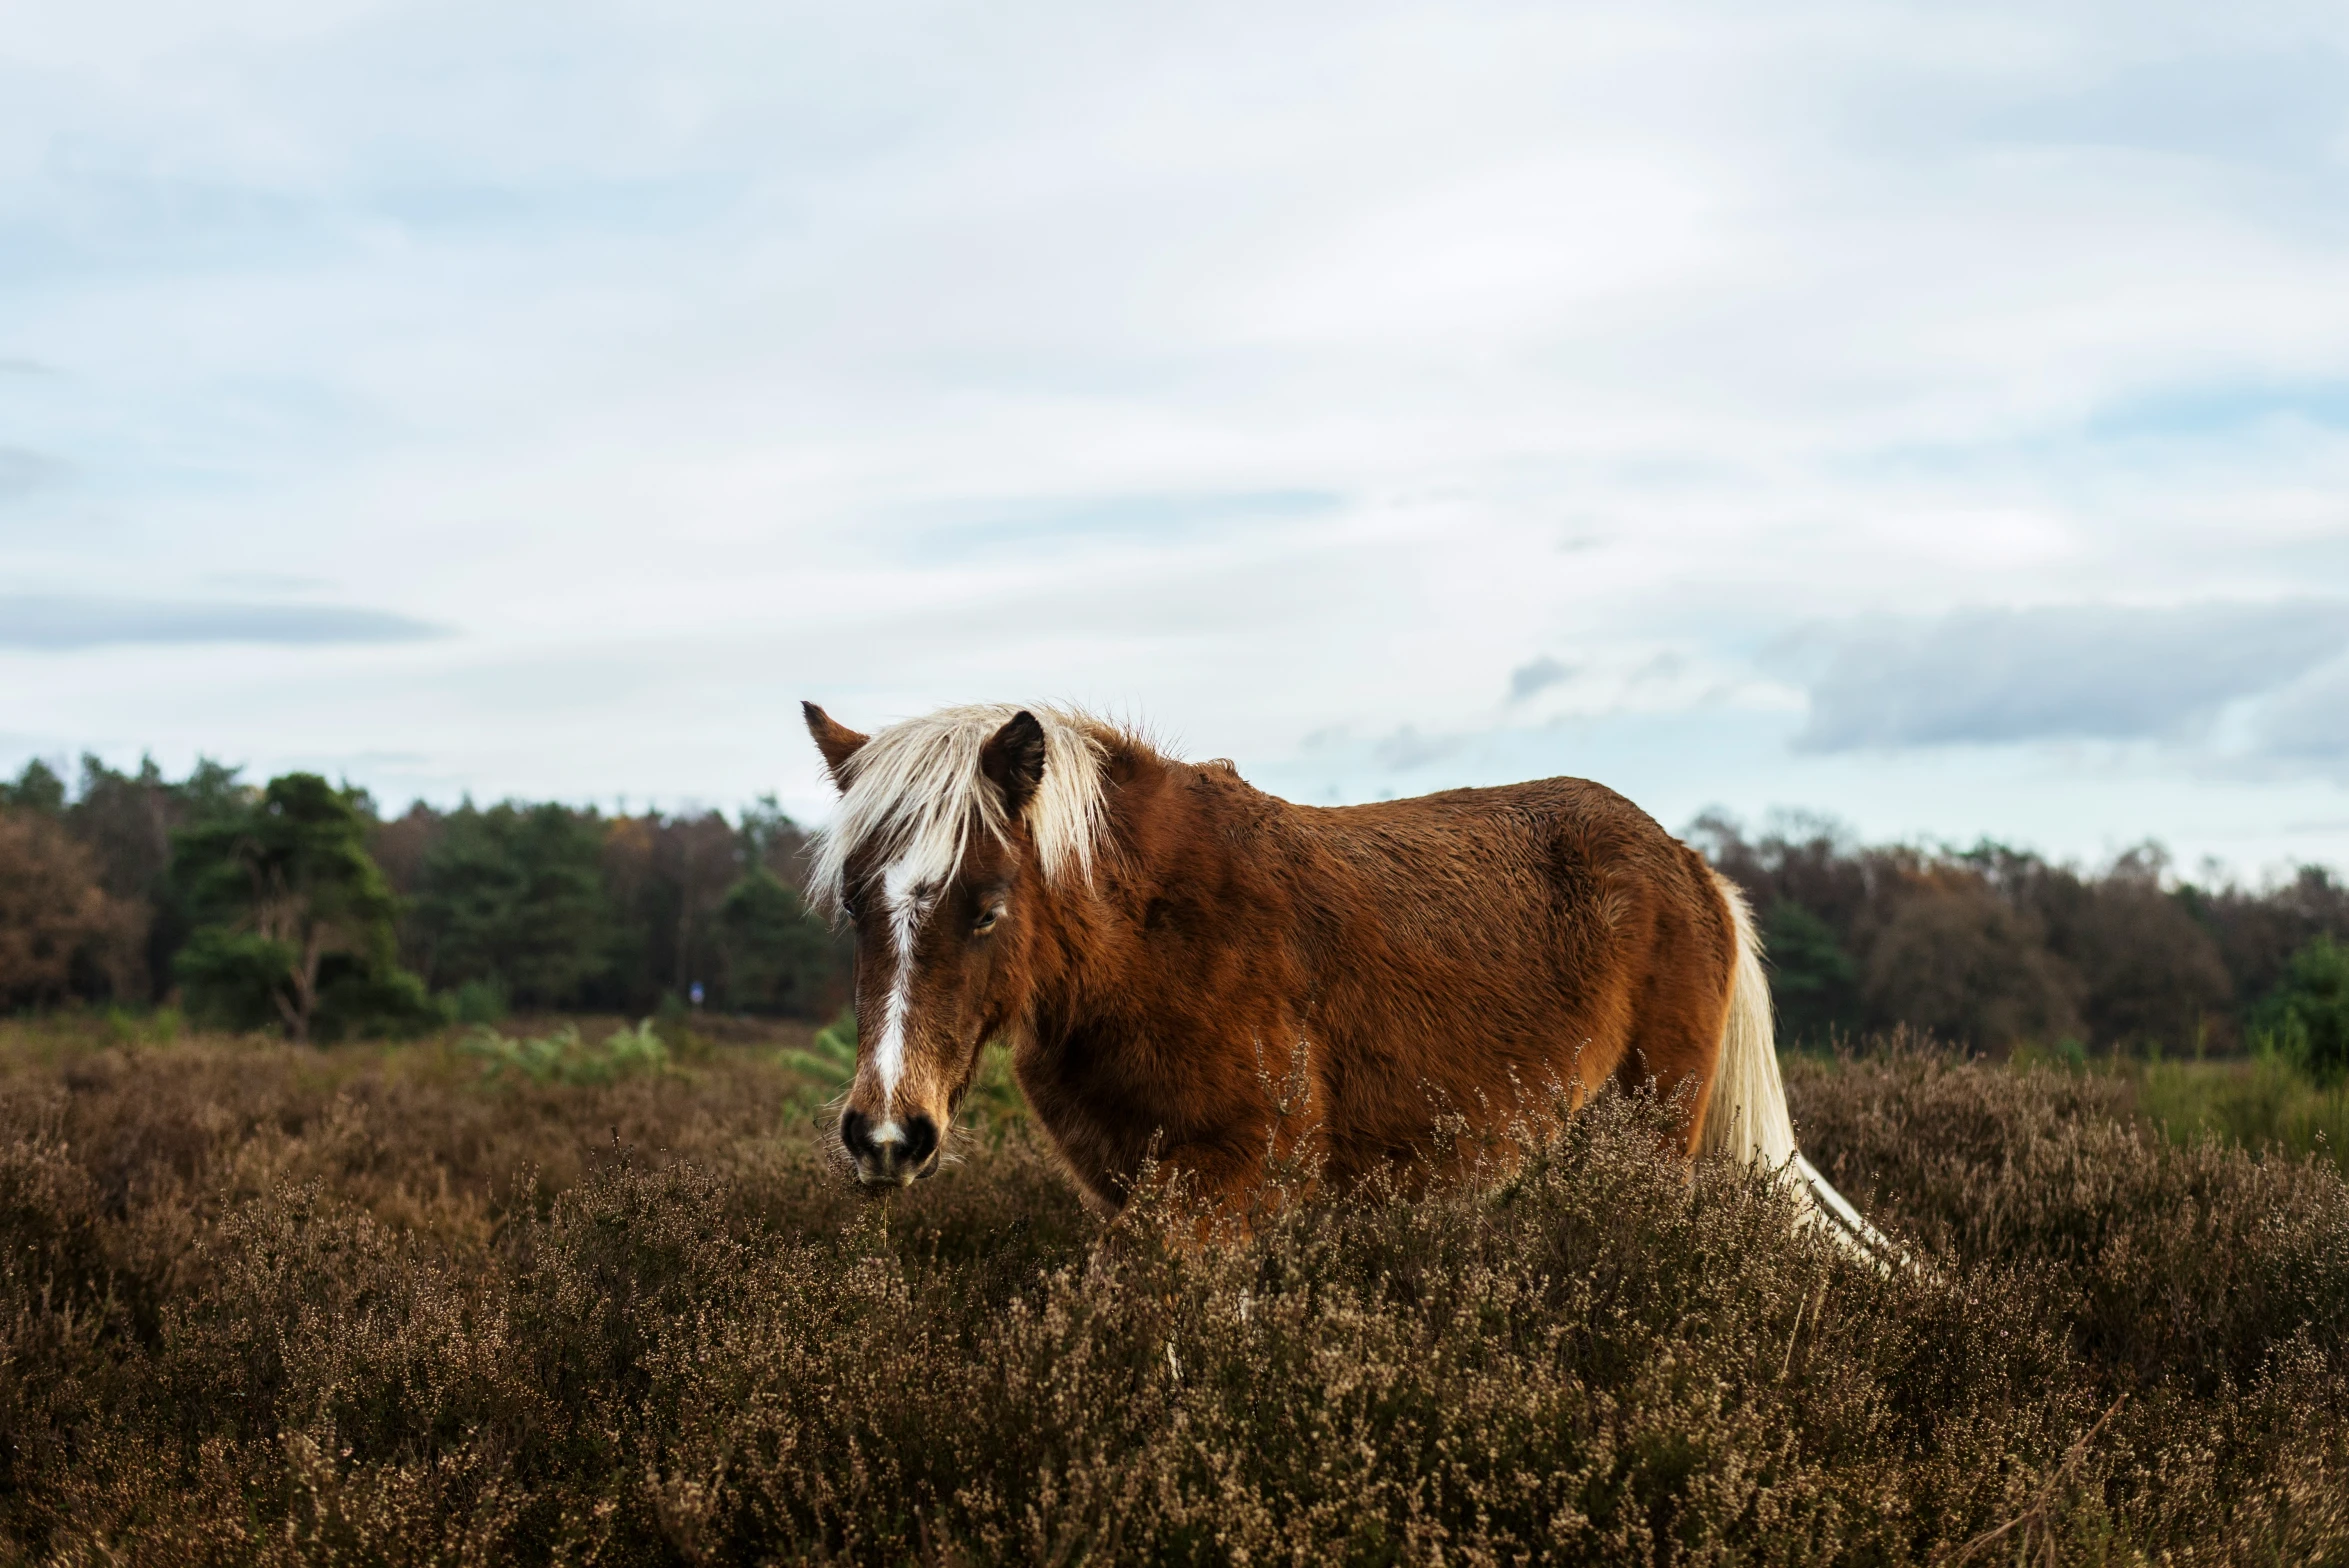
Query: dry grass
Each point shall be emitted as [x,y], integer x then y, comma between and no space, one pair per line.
[259,1303]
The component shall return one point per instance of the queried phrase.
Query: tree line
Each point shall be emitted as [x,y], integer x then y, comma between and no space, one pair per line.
[1992,945]
[297,904]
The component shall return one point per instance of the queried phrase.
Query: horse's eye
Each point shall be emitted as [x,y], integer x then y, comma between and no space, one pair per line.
[987,917]
[848,907]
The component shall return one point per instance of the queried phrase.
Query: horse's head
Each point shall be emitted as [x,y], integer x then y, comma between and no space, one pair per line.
[950,832]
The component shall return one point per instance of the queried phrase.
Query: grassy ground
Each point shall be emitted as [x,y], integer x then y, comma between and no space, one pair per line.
[265,1304]
[2259,1104]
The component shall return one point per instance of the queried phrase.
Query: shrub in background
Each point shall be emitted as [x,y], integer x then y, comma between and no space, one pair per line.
[475,1002]
[828,1060]
[565,1057]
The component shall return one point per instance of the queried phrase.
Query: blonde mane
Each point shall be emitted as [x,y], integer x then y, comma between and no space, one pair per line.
[914,794]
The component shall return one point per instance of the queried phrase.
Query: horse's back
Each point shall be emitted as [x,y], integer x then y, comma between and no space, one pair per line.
[1565,845]
[1481,944]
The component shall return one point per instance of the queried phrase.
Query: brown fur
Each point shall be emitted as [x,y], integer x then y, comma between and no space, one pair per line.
[1472,952]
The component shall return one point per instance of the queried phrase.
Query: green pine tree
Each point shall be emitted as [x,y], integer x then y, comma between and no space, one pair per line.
[37,788]
[1813,981]
[513,896]
[777,955]
[294,923]
[2306,1020]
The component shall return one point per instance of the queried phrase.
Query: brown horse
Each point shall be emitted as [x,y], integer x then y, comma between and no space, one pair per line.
[1164,947]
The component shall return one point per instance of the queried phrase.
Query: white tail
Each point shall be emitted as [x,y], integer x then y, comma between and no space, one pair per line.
[1747,1115]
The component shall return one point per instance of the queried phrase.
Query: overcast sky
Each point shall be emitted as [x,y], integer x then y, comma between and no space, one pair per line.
[1936,416]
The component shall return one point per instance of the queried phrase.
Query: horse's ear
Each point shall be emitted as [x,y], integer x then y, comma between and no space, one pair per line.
[836,741]
[1013,759]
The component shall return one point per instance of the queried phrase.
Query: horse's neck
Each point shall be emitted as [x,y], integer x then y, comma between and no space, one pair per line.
[1202,857]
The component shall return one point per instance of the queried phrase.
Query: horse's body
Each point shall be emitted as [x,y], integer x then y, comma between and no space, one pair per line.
[1188,967]
[1479,951]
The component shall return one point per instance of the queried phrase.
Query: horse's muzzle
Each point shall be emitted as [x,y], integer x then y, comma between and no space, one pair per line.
[893,1154]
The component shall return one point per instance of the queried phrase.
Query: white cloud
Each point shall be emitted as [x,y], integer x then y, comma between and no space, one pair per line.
[2307,725]
[2055,673]
[64,622]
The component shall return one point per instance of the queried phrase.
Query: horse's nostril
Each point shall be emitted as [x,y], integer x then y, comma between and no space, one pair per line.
[921,1139]
[856,1135]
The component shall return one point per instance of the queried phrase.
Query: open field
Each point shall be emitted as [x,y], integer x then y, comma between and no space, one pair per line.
[267,1303]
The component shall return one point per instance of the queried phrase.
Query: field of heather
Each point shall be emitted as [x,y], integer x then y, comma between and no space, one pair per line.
[595,1297]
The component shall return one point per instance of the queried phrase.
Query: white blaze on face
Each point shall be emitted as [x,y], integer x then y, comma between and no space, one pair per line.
[901,891]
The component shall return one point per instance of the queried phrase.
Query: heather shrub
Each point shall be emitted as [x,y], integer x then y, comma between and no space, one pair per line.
[271,1304]
[2192,1263]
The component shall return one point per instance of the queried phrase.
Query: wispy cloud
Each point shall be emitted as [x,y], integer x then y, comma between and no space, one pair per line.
[1164,517]
[22,472]
[1406,749]
[2309,723]
[55,624]
[1538,674]
[2219,410]
[266,582]
[2077,672]
[2255,107]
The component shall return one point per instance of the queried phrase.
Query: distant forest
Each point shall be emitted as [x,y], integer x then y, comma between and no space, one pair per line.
[1990,946]
[301,904]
